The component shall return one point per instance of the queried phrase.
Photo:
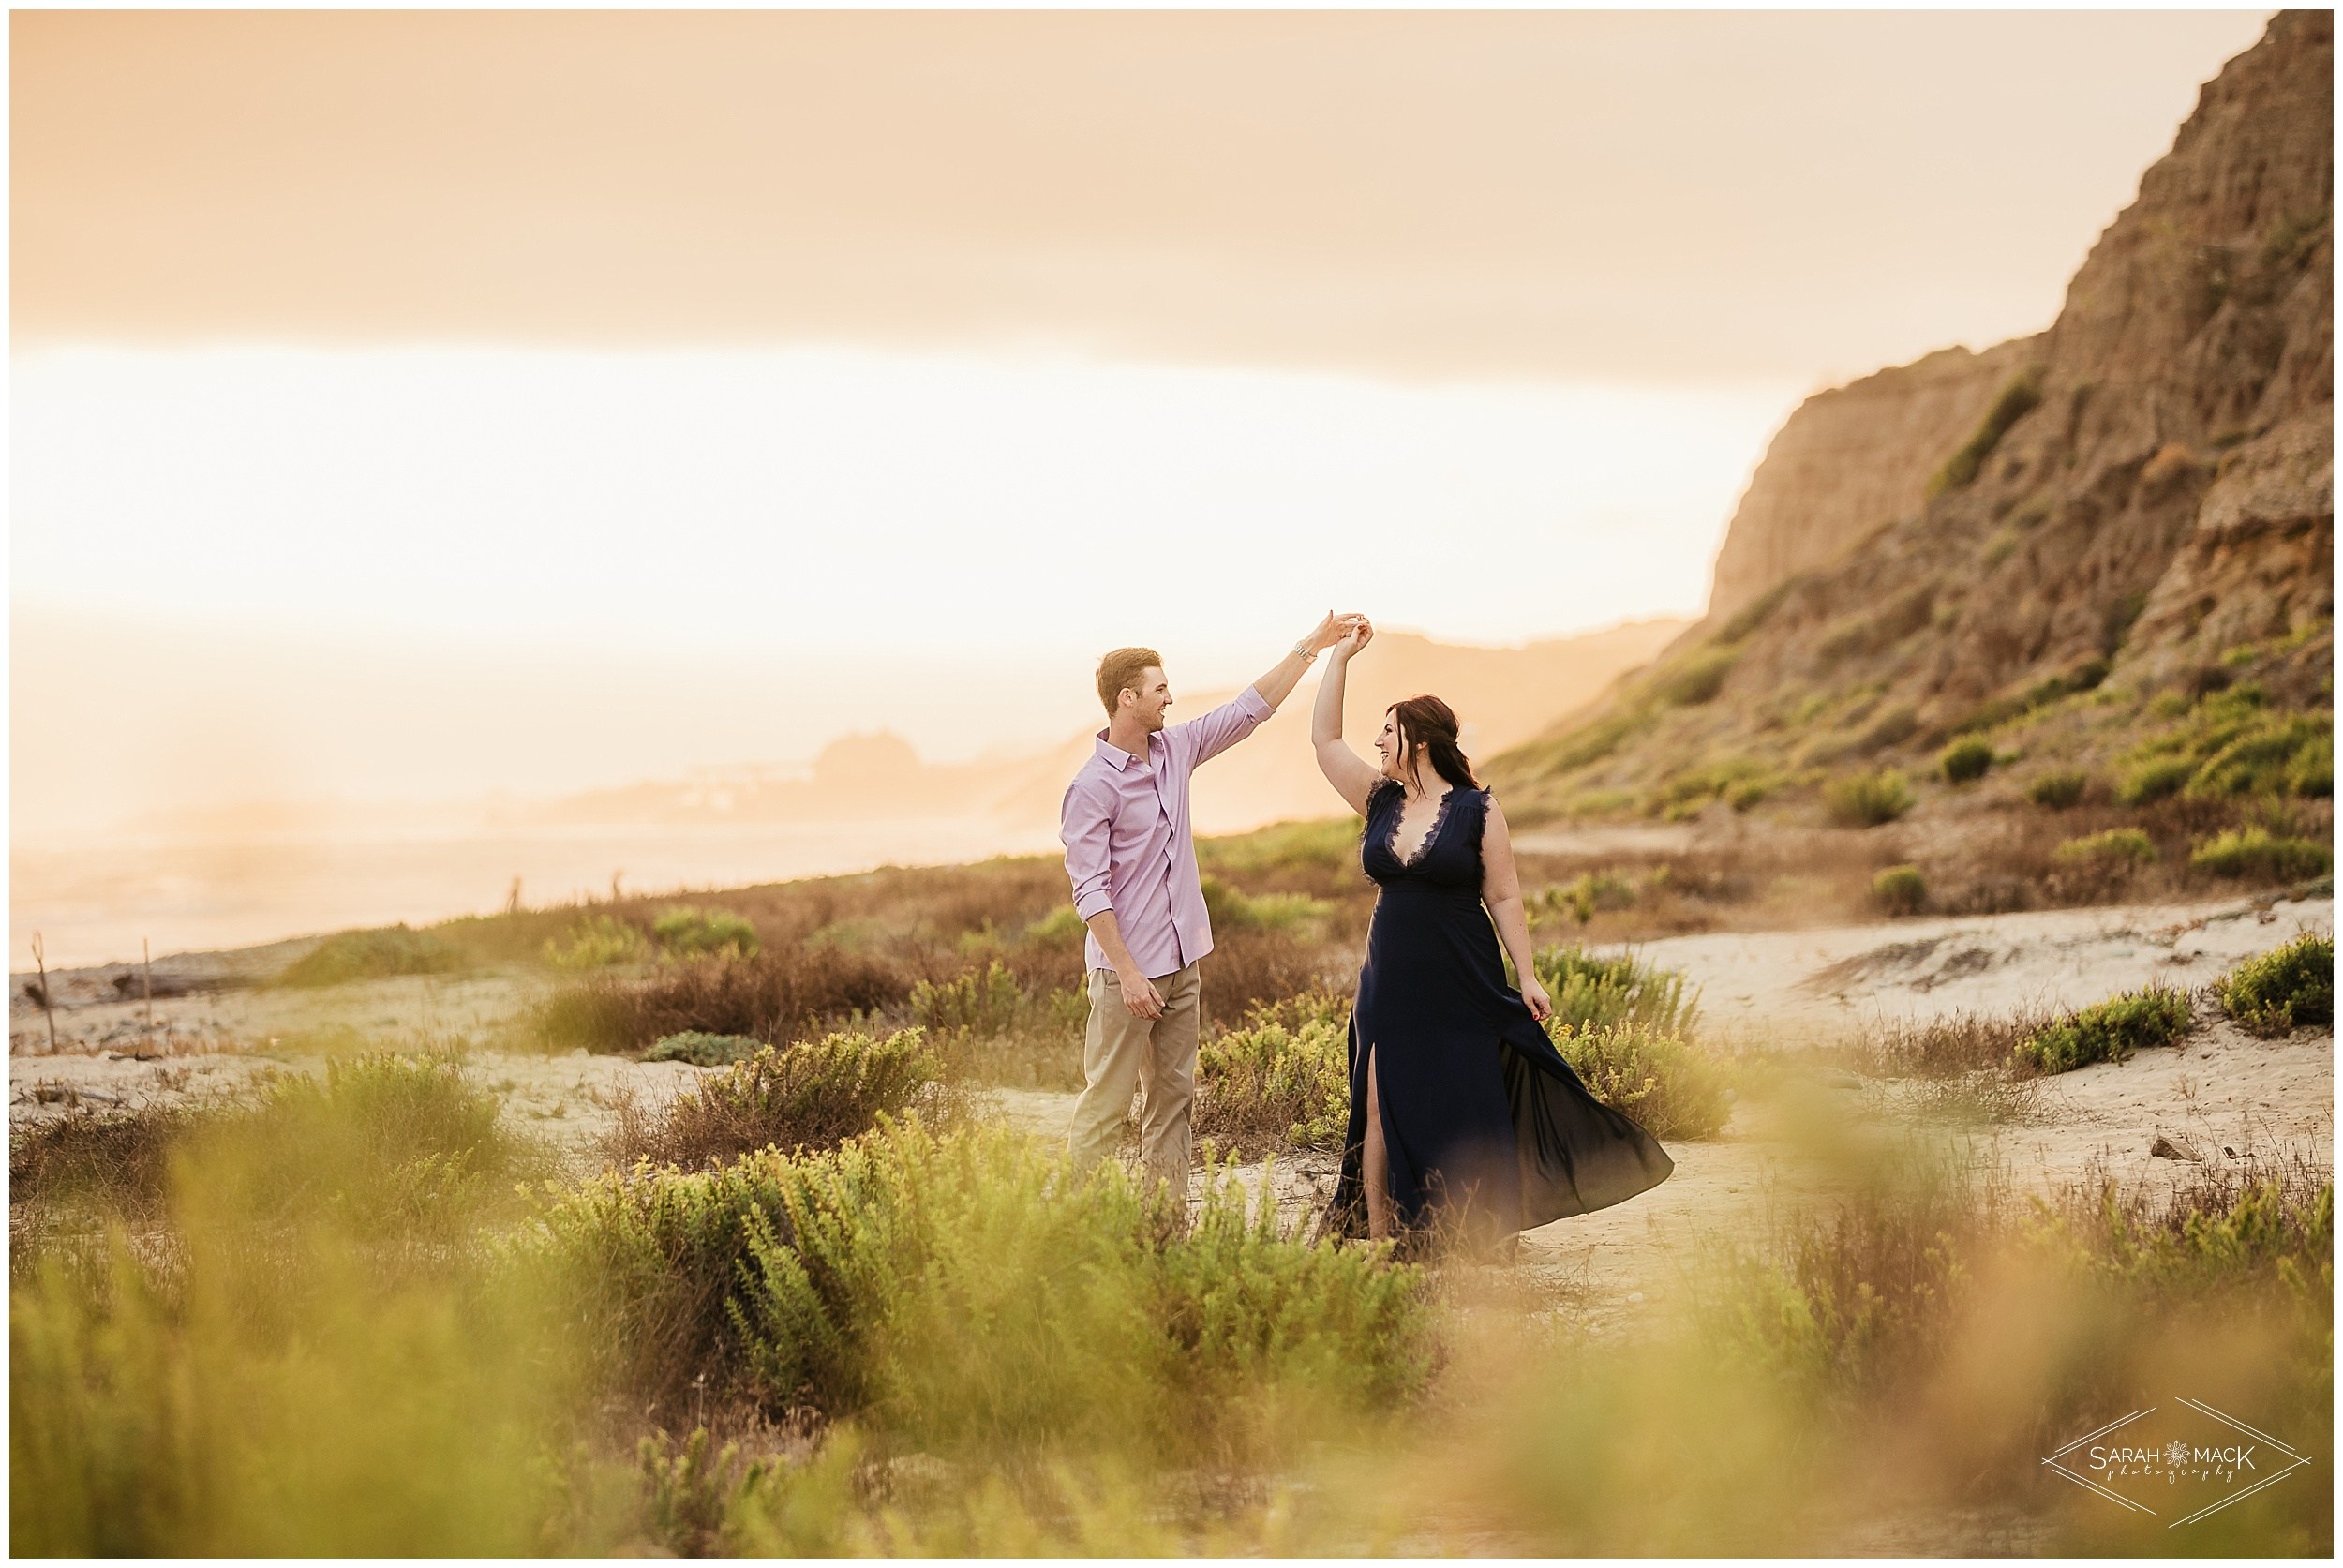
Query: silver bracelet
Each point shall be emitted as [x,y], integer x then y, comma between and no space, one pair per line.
[1303,649]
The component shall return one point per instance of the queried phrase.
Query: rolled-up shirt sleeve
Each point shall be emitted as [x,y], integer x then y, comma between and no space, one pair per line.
[1207,737]
[1085,829]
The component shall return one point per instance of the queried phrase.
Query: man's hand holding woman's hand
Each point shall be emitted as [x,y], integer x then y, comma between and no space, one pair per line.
[1357,632]
[1141,995]
[1332,631]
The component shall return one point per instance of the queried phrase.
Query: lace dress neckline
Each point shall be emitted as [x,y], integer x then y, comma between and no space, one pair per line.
[1431,834]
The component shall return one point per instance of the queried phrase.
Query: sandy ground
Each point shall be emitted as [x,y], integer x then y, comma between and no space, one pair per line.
[1833,980]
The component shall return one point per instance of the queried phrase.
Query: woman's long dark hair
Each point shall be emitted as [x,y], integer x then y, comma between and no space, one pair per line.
[1429,723]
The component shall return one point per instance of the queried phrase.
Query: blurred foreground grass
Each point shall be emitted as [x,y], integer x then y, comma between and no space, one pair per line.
[356,1317]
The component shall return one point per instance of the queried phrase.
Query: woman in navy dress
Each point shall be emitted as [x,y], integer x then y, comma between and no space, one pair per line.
[1464,1118]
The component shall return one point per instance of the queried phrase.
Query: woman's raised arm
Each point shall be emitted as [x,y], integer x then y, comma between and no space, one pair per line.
[1352,774]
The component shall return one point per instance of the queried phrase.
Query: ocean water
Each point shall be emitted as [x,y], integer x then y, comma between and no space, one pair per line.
[93,899]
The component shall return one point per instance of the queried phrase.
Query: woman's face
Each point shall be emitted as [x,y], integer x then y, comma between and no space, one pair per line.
[1389,749]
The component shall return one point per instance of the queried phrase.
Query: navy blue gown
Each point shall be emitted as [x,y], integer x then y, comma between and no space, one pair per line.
[1488,1130]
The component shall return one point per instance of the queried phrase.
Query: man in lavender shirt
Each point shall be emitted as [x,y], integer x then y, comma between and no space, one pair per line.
[1132,859]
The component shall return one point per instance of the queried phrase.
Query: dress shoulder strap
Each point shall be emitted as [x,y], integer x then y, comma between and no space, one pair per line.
[1476,801]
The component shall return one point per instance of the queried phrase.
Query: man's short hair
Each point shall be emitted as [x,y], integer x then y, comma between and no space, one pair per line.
[1122,668]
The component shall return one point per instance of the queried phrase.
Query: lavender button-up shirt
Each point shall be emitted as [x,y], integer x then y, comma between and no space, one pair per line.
[1128,846]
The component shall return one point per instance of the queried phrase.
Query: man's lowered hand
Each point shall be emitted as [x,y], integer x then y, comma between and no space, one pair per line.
[1141,995]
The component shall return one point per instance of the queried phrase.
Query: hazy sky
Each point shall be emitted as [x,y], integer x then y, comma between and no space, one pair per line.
[840,343]
[1609,197]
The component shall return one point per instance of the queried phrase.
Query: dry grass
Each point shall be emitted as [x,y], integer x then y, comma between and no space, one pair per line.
[808,1095]
[1947,1047]
[767,997]
[93,1167]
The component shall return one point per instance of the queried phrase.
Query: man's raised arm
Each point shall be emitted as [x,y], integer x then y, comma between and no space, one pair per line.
[1232,721]
[1285,674]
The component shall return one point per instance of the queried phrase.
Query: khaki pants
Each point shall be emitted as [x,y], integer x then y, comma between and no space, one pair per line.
[1157,1057]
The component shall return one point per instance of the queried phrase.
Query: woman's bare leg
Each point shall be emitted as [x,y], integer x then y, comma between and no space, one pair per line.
[1376,1163]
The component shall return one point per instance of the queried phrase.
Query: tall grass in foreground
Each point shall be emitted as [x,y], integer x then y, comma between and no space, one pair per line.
[967,1293]
[1908,1354]
[383,1145]
[949,1343]
[309,1361]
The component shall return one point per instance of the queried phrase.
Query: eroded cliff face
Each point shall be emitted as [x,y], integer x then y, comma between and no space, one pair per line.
[1849,460]
[2128,497]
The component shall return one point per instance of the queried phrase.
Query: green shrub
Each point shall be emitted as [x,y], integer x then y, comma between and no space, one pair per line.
[2227,1234]
[598,943]
[2254,851]
[2109,1031]
[2116,846]
[1671,1088]
[1867,800]
[1696,678]
[1966,759]
[373,955]
[2059,791]
[2278,754]
[1325,844]
[1061,924]
[1280,1079]
[988,1001]
[2156,779]
[1591,994]
[1586,893]
[968,1293]
[1589,741]
[804,1095]
[1900,890]
[704,1050]
[2284,987]
[1232,909]
[2230,744]
[387,1143]
[2014,402]
[989,1027]
[689,933]
[1740,780]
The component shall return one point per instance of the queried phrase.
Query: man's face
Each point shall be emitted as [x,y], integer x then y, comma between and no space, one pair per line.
[1149,699]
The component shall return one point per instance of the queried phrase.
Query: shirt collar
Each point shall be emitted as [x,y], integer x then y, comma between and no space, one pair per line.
[1115,756]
